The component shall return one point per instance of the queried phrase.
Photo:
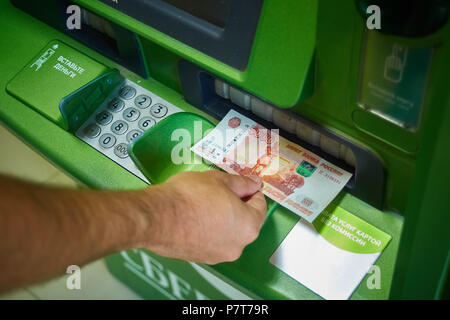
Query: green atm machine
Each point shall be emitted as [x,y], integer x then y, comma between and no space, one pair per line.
[81,80]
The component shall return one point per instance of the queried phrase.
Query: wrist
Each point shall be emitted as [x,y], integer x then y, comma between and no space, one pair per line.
[147,217]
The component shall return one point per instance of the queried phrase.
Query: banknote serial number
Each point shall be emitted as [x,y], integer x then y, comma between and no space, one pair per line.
[330,177]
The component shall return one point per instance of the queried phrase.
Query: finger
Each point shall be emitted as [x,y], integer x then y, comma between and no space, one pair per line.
[242,186]
[258,203]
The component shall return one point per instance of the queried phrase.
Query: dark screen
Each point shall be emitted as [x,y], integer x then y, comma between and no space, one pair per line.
[213,11]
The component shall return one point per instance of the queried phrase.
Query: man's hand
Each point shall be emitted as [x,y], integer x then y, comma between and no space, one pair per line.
[205,217]
[201,217]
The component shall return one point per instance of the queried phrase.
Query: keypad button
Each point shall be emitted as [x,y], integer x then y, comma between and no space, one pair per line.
[146,122]
[133,134]
[158,110]
[116,105]
[131,114]
[121,150]
[107,140]
[104,118]
[142,101]
[92,131]
[119,127]
[127,92]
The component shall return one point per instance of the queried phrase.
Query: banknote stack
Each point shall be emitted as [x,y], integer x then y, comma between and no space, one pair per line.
[293,176]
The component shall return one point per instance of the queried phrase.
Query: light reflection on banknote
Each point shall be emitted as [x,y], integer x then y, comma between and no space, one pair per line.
[293,176]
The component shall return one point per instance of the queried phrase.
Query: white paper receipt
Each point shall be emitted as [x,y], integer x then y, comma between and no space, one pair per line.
[333,254]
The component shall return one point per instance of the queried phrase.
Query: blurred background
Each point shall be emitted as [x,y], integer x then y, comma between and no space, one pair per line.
[21,161]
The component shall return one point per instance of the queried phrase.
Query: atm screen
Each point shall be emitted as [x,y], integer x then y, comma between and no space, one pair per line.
[222,29]
[214,11]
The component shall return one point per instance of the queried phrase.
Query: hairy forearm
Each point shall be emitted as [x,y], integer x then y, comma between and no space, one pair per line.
[193,216]
[44,230]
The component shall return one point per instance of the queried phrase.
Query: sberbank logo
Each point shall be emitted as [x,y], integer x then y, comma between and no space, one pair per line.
[163,280]
[175,280]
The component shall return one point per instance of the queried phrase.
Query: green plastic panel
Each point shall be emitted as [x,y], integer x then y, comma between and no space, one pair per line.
[155,151]
[296,31]
[78,106]
[53,74]
[253,274]
[286,29]
[254,271]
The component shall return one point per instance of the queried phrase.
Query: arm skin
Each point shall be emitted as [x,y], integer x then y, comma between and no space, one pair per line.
[193,216]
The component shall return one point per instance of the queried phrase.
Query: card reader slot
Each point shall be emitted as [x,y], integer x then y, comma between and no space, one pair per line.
[96,32]
[216,97]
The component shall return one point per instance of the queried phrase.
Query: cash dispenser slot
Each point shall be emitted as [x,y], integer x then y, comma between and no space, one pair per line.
[214,96]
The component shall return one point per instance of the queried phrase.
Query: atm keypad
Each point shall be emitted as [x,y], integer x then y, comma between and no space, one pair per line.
[123,118]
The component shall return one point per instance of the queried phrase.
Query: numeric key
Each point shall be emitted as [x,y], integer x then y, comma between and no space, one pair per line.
[133,134]
[104,118]
[146,122]
[92,131]
[158,110]
[121,150]
[119,127]
[116,105]
[107,140]
[127,92]
[142,101]
[131,114]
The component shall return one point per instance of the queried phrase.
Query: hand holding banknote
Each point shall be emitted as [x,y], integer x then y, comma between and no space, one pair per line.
[213,216]
[293,176]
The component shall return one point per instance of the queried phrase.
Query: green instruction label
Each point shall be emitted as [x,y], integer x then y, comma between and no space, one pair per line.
[350,233]
[55,72]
